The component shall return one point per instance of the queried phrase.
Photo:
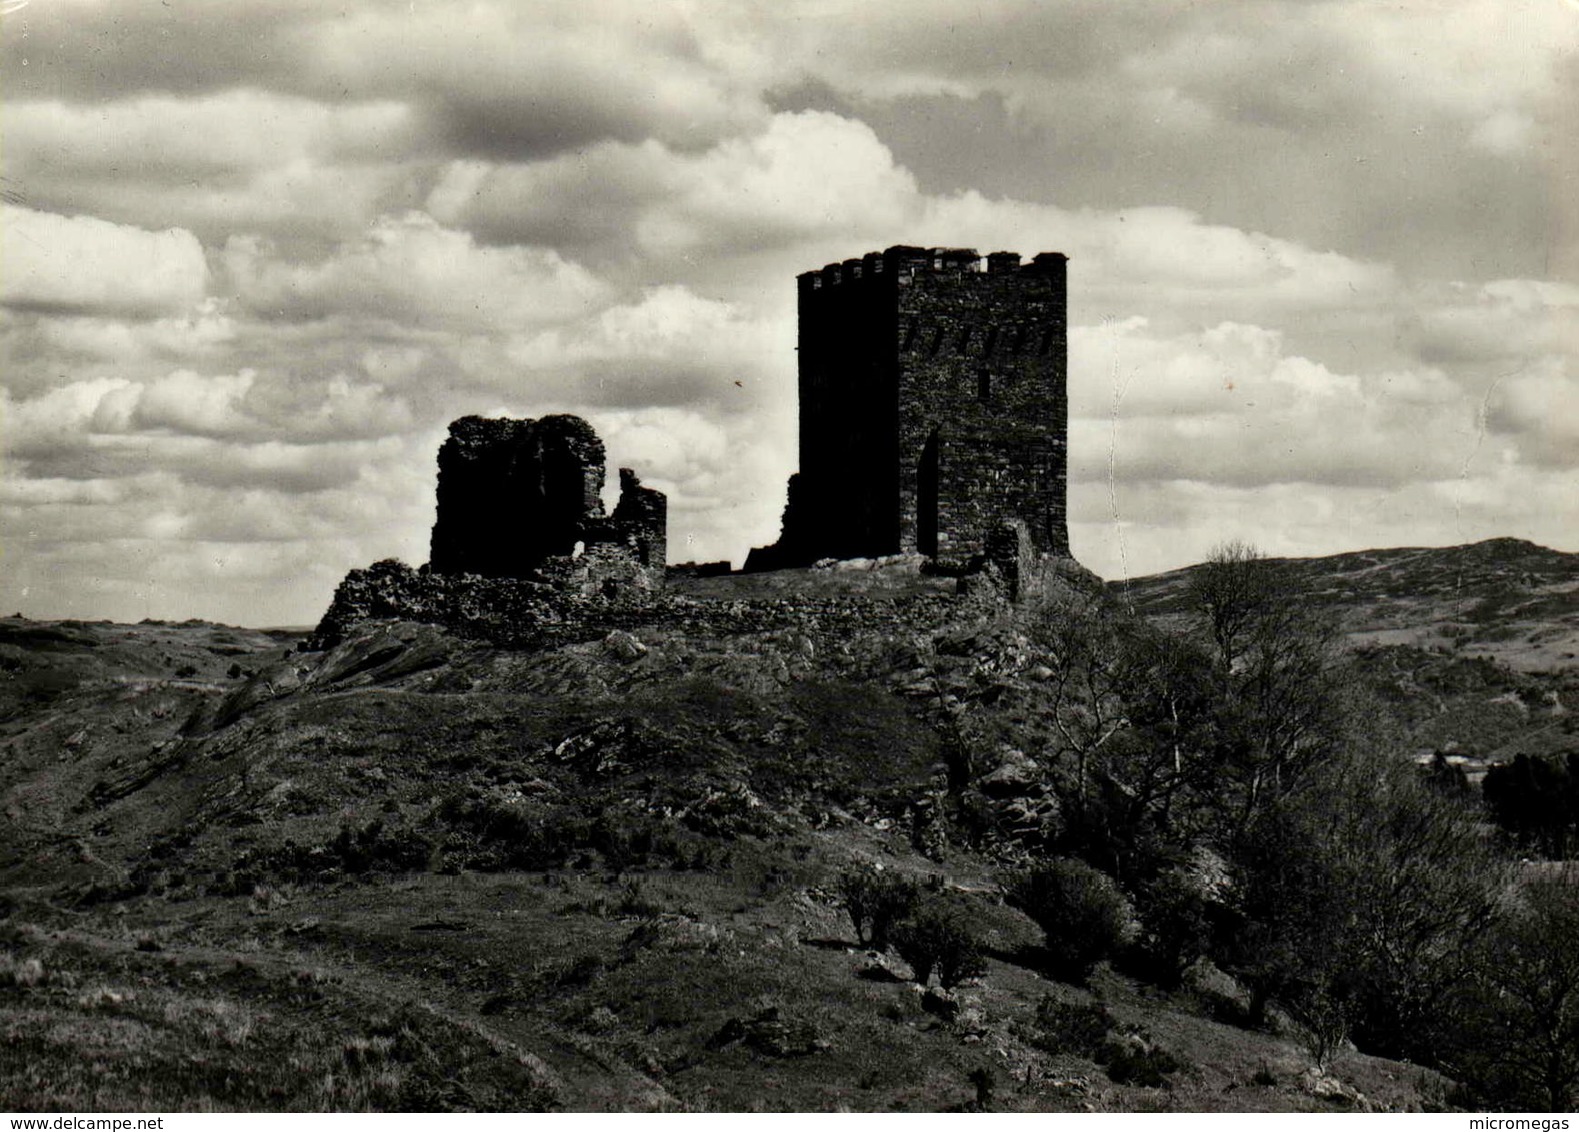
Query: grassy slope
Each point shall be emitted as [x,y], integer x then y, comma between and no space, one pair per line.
[174,863]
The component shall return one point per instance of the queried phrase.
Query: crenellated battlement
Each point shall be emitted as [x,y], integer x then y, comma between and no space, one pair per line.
[901,264]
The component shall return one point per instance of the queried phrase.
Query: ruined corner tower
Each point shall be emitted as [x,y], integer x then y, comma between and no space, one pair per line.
[518,497]
[933,407]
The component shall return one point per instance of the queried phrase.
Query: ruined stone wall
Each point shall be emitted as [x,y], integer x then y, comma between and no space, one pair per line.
[933,406]
[641,521]
[513,493]
[522,499]
[521,613]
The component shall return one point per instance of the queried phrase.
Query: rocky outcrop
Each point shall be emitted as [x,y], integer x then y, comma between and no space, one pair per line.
[519,612]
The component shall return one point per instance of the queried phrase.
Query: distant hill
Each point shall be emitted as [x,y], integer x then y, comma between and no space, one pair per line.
[1504,599]
[1468,650]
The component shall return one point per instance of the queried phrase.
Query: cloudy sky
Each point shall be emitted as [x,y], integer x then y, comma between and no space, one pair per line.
[255,254]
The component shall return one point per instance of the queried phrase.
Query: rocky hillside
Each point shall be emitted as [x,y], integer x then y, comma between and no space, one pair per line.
[418,871]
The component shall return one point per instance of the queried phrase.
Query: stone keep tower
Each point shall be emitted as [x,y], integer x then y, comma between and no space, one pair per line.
[933,406]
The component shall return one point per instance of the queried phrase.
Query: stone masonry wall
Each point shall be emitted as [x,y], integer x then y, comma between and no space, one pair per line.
[522,499]
[513,493]
[982,406]
[933,406]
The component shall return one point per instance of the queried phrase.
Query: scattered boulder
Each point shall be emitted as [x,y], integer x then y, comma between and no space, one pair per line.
[1328,1088]
[879,967]
[771,1034]
[608,747]
[1016,777]
[624,646]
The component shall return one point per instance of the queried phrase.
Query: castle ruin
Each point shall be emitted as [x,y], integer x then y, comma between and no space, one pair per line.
[933,421]
[518,498]
[933,408]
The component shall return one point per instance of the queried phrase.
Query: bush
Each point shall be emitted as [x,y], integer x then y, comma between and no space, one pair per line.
[1176,929]
[876,900]
[1363,902]
[938,937]
[1135,1062]
[376,847]
[1071,1027]
[1080,909]
[1536,802]
[22,974]
[1087,1029]
[491,831]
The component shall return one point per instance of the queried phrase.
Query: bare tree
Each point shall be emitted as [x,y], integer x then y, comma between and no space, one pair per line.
[1365,895]
[1536,976]
[1128,710]
[1232,589]
[1079,644]
[1281,684]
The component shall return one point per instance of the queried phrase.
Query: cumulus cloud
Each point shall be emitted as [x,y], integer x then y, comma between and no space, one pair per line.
[228,428]
[815,186]
[501,80]
[1228,406]
[82,264]
[1391,134]
[493,78]
[804,175]
[212,136]
[668,347]
[409,269]
[1501,325]
[206,329]
[1538,409]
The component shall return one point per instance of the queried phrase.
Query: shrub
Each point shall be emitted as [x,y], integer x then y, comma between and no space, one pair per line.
[377,847]
[1175,931]
[577,972]
[1536,802]
[1071,1027]
[985,1081]
[20,973]
[1135,1062]
[1363,902]
[876,900]
[938,937]
[1087,1029]
[635,901]
[1322,1014]
[493,831]
[1080,909]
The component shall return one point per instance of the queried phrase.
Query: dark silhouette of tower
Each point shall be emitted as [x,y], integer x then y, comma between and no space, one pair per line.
[933,407]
